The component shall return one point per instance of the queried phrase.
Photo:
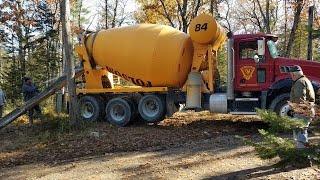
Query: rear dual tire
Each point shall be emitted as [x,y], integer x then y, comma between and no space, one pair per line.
[119,111]
[91,108]
[152,108]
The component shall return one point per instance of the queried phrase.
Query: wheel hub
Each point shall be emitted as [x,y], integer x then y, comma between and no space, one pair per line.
[151,108]
[118,112]
[87,110]
[284,110]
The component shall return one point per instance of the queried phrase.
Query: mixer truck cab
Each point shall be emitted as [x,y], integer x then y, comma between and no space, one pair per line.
[257,76]
[169,67]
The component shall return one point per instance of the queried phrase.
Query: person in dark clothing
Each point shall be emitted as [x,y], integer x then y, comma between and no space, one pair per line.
[2,102]
[29,91]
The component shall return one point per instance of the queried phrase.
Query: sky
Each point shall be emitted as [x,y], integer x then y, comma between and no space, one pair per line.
[131,6]
[94,5]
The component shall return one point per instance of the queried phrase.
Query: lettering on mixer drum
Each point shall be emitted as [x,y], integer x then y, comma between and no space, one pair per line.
[138,82]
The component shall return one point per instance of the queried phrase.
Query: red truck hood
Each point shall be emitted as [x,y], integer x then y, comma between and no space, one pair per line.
[310,68]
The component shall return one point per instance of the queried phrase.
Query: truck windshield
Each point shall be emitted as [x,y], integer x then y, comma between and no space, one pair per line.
[273,49]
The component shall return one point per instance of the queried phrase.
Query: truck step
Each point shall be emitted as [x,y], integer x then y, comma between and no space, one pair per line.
[247,99]
[243,113]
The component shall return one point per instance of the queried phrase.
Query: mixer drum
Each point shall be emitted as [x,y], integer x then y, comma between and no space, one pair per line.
[147,55]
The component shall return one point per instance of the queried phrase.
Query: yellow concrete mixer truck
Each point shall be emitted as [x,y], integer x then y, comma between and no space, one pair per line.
[167,66]
[170,67]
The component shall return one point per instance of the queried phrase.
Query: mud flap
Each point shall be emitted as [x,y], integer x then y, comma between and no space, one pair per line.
[171,107]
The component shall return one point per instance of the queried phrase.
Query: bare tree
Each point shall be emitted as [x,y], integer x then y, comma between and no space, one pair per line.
[166,13]
[79,13]
[285,21]
[176,13]
[297,12]
[115,10]
[262,14]
[265,15]
[106,11]
[114,14]
[214,7]
[69,68]
[187,13]
[227,15]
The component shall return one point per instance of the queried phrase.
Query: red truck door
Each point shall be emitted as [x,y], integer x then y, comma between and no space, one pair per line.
[251,76]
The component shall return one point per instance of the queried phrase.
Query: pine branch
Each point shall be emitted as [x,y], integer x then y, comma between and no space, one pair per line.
[280,124]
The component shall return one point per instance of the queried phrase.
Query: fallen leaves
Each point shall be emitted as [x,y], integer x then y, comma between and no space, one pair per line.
[42,144]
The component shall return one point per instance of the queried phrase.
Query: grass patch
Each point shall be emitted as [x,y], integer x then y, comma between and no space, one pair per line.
[53,126]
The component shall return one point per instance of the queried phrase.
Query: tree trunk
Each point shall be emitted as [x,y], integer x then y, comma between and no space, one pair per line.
[296,19]
[66,32]
[285,21]
[166,14]
[106,9]
[266,16]
[183,12]
[79,14]
[310,28]
[116,3]
[196,9]
[267,21]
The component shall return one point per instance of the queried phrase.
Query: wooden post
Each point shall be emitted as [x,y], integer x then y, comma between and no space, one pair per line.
[69,68]
[310,28]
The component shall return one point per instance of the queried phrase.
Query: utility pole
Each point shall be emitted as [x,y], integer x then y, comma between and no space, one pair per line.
[310,29]
[69,68]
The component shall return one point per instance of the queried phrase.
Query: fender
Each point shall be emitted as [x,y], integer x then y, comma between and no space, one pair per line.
[283,85]
[316,86]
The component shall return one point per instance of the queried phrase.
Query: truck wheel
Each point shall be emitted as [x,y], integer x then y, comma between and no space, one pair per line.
[133,106]
[151,108]
[91,108]
[280,104]
[118,112]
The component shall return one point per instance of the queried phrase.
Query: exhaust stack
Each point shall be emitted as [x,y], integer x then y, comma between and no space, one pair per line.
[230,78]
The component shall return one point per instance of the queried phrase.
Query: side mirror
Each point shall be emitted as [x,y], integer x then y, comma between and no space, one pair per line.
[256,58]
[261,47]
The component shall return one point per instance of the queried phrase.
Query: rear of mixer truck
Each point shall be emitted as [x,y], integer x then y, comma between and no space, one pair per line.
[169,67]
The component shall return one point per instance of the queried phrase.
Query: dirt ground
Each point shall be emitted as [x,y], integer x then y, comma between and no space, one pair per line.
[187,146]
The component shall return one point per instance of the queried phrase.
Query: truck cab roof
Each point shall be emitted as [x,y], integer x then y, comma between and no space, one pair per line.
[258,35]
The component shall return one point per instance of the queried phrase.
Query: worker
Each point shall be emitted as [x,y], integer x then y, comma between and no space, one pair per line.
[29,91]
[2,102]
[301,92]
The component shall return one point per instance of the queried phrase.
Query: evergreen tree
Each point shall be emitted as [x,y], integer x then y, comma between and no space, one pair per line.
[274,144]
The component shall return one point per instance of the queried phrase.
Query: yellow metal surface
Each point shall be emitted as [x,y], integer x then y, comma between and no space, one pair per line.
[199,56]
[146,54]
[94,78]
[207,36]
[83,56]
[152,55]
[123,90]
[204,29]
[211,70]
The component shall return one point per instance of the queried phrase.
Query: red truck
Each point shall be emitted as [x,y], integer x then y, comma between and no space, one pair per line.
[256,76]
